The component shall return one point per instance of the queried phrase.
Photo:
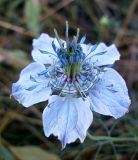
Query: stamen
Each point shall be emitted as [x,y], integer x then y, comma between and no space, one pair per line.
[65,84]
[94,80]
[96,77]
[59,41]
[67,34]
[82,94]
[78,33]
[81,89]
[75,41]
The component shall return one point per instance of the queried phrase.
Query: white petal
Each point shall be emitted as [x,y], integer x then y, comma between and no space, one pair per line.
[31,88]
[101,55]
[110,95]
[43,42]
[43,57]
[85,48]
[67,118]
[43,51]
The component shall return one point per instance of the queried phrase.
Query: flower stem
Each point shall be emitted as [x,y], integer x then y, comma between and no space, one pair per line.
[113,139]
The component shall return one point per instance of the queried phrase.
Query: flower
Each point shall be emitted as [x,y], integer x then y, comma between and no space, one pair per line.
[76,79]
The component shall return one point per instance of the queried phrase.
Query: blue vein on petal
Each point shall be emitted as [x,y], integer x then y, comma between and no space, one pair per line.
[45,52]
[54,46]
[31,88]
[111,89]
[93,49]
[100,53]
[42,73]
[32,78]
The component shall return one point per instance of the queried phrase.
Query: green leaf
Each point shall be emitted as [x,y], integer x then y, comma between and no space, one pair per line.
[32,153]
[5,154]
[32,15]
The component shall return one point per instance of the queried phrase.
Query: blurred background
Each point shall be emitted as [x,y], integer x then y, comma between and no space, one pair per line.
[21,132]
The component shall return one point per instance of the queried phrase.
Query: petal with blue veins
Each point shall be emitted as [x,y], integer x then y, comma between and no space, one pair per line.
[109,96]
[43,51]
[43,42]
[101,55]
[31,87]
[44,57]
[67,118]
[85,48]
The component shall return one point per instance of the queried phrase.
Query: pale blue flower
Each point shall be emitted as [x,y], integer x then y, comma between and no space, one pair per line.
[76,79]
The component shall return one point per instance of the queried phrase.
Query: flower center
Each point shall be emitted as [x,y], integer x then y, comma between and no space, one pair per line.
[70,55]
[71,60]
[71,75]
[62,85]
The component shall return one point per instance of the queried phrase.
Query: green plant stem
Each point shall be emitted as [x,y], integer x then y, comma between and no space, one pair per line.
[113,139]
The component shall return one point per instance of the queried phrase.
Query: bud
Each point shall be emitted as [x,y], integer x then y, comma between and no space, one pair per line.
[104,21]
